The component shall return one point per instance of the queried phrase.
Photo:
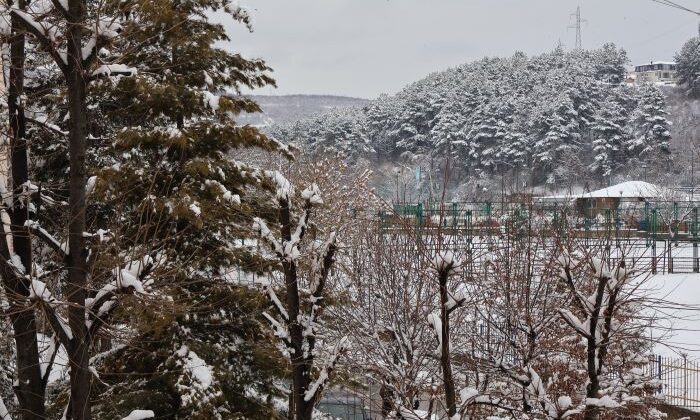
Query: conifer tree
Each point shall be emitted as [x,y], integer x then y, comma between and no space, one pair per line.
[608,131]
[688,67]
[177,146]
[651,134]
[167,182]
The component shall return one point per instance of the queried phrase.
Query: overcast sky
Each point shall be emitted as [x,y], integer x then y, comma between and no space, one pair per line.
[364,48]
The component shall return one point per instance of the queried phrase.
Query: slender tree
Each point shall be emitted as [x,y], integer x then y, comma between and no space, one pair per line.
[297,318]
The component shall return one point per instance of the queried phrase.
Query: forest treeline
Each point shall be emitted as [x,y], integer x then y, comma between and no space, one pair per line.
[551,119]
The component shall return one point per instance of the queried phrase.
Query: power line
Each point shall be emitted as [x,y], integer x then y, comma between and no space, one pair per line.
[679,7]
[676,5]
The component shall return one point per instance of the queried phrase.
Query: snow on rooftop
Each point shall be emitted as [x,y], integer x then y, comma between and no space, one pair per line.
[657,62]
[627,189]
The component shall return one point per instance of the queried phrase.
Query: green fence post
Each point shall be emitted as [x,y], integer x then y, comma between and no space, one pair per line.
[419,214]
[454,214]
[468,228]
[675,222]
[694,233]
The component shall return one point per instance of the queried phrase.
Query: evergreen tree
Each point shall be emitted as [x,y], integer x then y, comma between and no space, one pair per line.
[499,114]
[609,135]
[688,67]
[556,136]
[168,182]
[651,134]
[610,64]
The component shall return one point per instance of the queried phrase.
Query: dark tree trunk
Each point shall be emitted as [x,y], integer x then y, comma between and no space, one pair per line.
[593,388]
[30,390]
[299,408]
[387,400]
[448,380]
[79,351]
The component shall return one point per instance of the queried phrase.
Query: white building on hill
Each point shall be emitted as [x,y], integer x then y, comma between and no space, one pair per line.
[655,72]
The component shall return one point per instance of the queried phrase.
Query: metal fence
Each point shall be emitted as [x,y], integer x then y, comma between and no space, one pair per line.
[679,379]
[664,236]
[654,220]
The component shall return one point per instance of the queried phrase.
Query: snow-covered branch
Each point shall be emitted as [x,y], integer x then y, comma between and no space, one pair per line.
[316,388]
[574,322]
[47,238]
[127,280]
[264,232]
[322,263]
[140,415]
[40,292]
[46,35]
[272,296]
[279,329]
[102,33]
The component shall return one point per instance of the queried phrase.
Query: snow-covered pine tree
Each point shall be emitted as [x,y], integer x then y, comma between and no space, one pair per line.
[166,181]
[609,134]
[650,126]
[688,67]
[496,112]
[610,63]
[557,133]
[177,158]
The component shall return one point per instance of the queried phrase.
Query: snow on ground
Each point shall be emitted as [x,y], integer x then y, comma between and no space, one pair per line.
[681,333]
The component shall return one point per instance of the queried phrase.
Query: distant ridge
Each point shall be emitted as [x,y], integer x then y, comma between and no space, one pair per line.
[288,108]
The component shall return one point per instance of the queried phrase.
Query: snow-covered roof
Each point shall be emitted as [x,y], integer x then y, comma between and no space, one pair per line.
[627,189]
[656,62]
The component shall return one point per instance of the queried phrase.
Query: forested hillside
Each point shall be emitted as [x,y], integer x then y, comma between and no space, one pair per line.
[554,120]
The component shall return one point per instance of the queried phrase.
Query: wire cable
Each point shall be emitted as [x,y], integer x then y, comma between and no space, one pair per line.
[677,6]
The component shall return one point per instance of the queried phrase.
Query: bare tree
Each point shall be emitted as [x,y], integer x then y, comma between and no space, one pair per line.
[604,297]
[382,279]
[296,320]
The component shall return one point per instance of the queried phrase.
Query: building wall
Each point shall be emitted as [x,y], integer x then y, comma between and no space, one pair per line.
[592,207]
[655,73]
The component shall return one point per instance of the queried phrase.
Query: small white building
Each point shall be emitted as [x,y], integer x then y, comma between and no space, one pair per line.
[655,72]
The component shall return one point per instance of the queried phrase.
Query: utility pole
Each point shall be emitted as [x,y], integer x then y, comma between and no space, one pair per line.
[577,26]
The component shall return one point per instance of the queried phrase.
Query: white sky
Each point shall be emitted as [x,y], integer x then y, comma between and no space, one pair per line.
[366,47]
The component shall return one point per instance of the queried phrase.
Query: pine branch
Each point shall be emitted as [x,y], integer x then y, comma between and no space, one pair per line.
[47,238]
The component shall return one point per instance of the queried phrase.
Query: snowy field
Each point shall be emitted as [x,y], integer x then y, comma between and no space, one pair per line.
[682,333]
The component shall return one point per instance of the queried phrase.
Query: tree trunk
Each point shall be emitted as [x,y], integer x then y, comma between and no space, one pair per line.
[448,380]
[593,387]
[299,408]
[387,400]
[30,389]
[79,351]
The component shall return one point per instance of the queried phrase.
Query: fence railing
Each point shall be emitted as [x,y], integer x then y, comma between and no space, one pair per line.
[679,379]
[653,220]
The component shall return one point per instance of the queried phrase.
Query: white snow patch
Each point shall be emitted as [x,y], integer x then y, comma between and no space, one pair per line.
[140,415]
